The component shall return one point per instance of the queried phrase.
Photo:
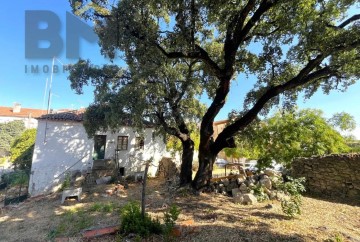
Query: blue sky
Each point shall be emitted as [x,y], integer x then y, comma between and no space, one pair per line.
[28,88]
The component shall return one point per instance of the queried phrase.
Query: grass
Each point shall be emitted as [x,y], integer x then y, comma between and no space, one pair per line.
[73,221]
[103,207]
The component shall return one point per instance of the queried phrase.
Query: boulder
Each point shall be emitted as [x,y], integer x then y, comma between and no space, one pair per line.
[247,199]
[235,191]
[225,182]
[265,181]
[243,188]
[270,173]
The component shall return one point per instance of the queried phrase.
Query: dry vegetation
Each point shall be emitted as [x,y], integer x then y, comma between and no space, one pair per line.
[216,217]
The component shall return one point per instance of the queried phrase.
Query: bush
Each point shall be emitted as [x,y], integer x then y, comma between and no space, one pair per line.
[260,193]
[132,221]
[66,183]
[170,218]
[15,178]
[293,188]
[22,149]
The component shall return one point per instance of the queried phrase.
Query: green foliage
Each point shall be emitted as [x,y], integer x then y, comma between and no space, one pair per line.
[291,207]
[290,134]
[170,218]
[71,223]
[102,207]
[343,121]
[15,178]
[66,183]
[260,193]
[173,144]
[8,133]
[294,187]
[178,50]
[22,149]
[133,222]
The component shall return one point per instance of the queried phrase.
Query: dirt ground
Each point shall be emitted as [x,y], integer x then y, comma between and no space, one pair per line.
[216,217]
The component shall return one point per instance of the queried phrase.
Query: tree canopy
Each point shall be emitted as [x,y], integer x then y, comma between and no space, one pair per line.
[290,46]
[290,134]
[8,133]
[22,149]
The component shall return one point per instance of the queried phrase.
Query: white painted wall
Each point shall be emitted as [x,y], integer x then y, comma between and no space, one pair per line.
[30,123]
[59,145]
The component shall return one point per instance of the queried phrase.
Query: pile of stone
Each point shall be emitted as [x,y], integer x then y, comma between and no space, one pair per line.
[241,187]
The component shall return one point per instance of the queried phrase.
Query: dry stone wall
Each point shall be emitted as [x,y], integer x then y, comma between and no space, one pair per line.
[335,175]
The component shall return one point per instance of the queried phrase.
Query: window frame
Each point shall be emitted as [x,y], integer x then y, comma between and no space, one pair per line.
[139,143]
[121,144]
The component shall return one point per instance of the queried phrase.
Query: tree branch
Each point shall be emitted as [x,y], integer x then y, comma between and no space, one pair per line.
[302,78]
[349,20]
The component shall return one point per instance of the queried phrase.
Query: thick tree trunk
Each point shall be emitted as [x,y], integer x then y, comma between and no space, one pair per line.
[186,162]
[204,173]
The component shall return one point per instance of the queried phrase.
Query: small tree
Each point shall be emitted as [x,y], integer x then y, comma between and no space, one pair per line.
[290,134]
[8,133]
[22,149]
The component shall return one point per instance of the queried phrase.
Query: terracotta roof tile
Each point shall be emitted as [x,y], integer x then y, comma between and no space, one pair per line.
[76,115]
[24,112]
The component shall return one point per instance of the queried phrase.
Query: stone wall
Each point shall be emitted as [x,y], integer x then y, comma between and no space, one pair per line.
[330,175]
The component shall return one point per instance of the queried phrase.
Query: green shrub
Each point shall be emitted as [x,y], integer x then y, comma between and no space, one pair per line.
[18,177]
[170,218]
[293,188]
[66,183]
[260,194]
[132,221]
[22,149]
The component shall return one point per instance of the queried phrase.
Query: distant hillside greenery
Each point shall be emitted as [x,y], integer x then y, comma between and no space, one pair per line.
[290,134]
[8,133]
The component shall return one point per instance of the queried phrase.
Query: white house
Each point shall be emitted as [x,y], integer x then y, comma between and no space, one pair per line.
[27,115]
[63,145]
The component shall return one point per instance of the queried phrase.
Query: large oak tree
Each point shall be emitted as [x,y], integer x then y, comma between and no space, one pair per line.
[288,45]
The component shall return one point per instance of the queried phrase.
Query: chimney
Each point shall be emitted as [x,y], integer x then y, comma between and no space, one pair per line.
[17,108]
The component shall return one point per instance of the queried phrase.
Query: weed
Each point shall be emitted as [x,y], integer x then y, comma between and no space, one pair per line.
[133,222]
[260,193]
[293,188]
[72,222]
[66,183]
[102,207]
[170,218]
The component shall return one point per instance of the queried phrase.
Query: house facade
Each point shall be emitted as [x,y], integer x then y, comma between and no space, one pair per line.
[62,145]
[27,115]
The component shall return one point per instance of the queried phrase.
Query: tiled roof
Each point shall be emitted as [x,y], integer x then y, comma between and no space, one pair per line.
[76,116]
[24,112]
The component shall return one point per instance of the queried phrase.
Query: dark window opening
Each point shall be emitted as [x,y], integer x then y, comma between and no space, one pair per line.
[122,142]
[99,147]
[122,171]
[139,143]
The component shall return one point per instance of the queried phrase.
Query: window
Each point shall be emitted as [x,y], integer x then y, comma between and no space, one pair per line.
[99,147]
[139,143]
[122,142]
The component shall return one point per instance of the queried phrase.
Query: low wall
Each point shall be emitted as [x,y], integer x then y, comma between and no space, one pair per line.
[331,175]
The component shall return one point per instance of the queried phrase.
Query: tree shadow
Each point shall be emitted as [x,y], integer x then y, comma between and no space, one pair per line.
[250,233]
[343,200]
